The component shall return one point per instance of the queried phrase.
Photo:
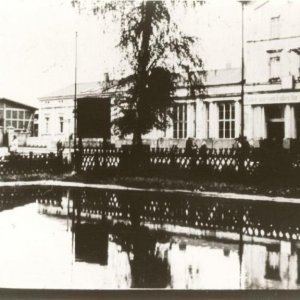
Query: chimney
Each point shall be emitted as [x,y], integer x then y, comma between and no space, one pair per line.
[106,77]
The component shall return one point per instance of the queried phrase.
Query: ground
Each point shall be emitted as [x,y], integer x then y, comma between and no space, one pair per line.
[268,188]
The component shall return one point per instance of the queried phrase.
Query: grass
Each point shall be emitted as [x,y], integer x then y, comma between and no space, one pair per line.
[267,187]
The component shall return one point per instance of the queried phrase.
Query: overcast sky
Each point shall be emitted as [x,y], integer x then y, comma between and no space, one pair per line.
[37,44]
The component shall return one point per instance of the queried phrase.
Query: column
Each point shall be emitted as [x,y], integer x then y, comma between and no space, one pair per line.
[263,123]
[213,120]
[201,119]
[289,122]
[191,120]
[248,110]
[257,123]
[238,118]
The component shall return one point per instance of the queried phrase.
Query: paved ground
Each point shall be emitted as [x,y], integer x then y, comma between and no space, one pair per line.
[3,151]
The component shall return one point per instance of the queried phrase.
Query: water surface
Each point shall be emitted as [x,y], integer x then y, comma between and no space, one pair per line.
[62,238]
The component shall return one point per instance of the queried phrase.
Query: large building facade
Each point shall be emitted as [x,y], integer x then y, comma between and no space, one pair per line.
[212,111]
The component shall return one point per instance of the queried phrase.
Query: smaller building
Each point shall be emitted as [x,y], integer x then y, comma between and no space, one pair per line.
[15,119]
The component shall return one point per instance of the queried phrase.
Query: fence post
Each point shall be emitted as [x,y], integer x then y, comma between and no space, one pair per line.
[60,162]
[30,161]
[97,163]
[78,156]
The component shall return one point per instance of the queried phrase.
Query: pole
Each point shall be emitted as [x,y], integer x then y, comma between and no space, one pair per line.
[75,95]
[243,78]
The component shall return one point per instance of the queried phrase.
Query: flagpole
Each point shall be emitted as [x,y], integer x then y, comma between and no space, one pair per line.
[75,95]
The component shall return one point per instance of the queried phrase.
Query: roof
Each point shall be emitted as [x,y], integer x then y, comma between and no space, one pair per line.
[13,102]
[82,89]
[212,77]
[222,76]
[88,89]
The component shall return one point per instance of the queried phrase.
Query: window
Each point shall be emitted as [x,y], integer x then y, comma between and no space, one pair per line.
[18,118]
[47,124]
[274,67]
[21,114]
[15,114]
[61,123]
[180,121]
[275,26]
[27,114]
[226,120]
[1,117]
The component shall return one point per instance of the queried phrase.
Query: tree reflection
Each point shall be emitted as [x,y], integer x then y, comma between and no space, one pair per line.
[273,262]
[148,270]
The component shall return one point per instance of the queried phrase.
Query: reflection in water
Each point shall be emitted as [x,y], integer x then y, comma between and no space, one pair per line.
[87,239]
[273,262]
[91,243]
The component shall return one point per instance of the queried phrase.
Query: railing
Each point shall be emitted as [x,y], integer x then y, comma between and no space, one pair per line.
[204,162]
[21,164]
[252,218]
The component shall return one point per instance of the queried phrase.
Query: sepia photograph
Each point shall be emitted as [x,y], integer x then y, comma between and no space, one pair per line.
[149,145]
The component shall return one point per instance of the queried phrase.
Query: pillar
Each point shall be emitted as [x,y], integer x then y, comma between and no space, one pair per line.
[248,110]
[191,120]
[289,122]
[259,123]
[201,119]
[238,118]
[213,120]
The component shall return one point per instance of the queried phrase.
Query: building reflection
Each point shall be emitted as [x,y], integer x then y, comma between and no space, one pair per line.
[273,262]
[91,243]
[140,256]
[11,197]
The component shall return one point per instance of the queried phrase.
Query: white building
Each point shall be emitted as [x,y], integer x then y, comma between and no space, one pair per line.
[272,107]
[272,91]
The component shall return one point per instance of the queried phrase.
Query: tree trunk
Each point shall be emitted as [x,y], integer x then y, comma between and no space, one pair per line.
[147,9]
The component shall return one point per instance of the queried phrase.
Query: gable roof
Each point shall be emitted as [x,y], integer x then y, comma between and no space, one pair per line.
[16,103]
[84,89]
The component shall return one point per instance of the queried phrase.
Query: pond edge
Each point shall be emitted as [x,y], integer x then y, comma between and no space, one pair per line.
[234,196]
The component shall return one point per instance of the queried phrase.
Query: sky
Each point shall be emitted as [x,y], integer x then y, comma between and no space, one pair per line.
[37,44]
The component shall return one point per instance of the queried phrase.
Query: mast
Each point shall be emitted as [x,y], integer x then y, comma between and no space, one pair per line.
[75,95]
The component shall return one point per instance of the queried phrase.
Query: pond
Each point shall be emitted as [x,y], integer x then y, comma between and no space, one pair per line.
[83,238]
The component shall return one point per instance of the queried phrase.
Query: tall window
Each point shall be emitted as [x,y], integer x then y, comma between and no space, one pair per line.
[47,124]
[61,124]
[180,121]
[274,63]
[226,120]
[275,27]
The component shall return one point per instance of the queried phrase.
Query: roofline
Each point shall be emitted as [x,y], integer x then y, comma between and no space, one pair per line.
[261,4]
[19,103]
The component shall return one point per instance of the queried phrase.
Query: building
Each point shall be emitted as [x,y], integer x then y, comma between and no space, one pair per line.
[272,59]
[56,112]
[15,119]
[208,107]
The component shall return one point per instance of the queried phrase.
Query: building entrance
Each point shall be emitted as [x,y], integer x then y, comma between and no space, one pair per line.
[275,122]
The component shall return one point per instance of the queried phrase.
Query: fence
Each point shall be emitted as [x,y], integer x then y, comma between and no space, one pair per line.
[252,218]
[203,162]
[21,164]
[229,163]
